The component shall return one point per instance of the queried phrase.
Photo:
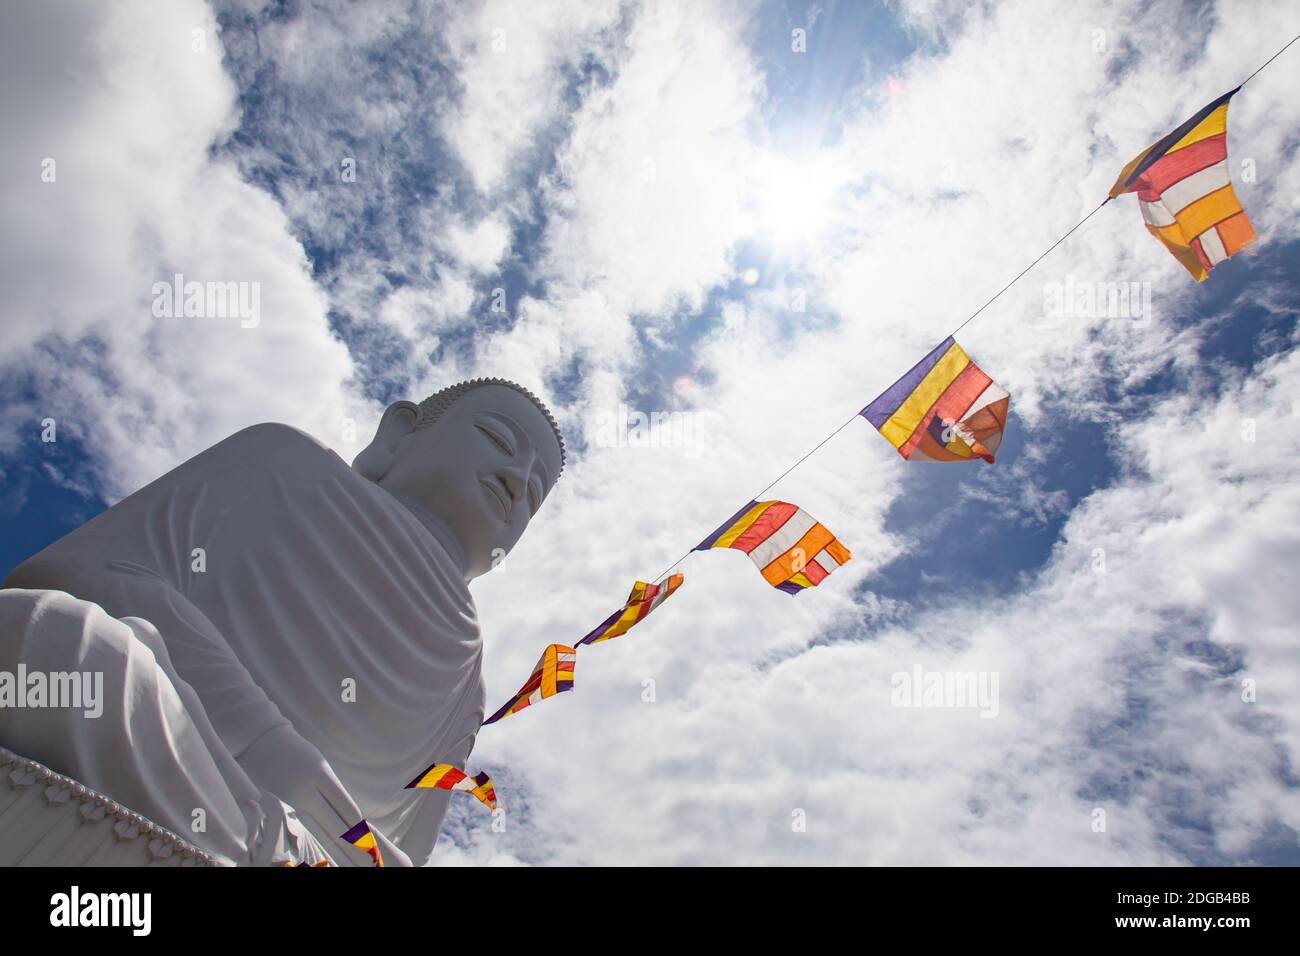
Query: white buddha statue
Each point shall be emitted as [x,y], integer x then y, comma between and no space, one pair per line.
[286,640]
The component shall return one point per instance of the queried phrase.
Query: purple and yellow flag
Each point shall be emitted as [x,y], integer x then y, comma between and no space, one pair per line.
[789,548]
[361,838]
[1185,193]
[643,599]
[443,776]
[552,675]
[483,790]
[944,409]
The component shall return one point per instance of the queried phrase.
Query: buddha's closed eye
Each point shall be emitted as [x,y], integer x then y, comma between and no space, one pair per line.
[496,439]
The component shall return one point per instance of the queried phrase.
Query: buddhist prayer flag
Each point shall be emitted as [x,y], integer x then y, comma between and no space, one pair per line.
[643,599]
[944,409]
[1185,193]
[361,838]
[552,675]
[484,791]
[789,548]
[443,776]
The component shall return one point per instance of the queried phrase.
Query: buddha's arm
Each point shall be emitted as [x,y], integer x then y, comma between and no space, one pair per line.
[293,768]
[144,740]
[267,747]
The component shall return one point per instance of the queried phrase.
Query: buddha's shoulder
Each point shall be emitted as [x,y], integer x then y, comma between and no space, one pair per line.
[275,434]
[235,472]
[271,445]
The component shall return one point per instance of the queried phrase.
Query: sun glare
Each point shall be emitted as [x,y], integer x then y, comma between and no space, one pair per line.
[793,201]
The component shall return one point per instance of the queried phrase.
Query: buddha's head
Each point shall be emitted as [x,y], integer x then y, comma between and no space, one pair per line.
[474,462]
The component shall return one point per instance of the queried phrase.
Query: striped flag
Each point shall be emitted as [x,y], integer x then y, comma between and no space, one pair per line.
[443,776]
[789,548]
[1185,193]
[643,599]
[361,838]
[944,409]
[552,675]
[483,790]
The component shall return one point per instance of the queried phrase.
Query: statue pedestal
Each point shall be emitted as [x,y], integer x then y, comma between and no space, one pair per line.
[47,819]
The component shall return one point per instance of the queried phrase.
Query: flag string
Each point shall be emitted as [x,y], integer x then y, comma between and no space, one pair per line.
[1023,272]
[548,680]
[1270,59]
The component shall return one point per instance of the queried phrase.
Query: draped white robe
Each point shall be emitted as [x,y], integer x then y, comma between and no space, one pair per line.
[315,581]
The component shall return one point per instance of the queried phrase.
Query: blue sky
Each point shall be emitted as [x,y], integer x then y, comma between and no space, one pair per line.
[616,170]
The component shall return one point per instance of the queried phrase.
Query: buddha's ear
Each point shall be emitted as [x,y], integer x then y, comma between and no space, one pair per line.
[397,422]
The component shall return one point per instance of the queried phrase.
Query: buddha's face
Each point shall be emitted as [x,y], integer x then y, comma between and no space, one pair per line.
[481,471]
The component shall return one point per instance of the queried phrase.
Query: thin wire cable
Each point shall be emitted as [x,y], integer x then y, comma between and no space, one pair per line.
[998,294]
[1270,59]
[966,321]
[856,415]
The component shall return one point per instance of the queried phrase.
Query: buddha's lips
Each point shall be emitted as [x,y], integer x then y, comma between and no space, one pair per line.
[493,486]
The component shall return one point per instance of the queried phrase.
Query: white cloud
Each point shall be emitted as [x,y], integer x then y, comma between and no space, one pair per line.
[510,60]
[137,199]
[413,311]
[657,151]
[479,247]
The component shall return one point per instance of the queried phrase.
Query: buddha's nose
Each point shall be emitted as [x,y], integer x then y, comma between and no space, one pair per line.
[514,482]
